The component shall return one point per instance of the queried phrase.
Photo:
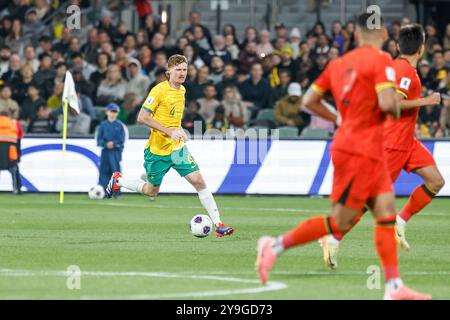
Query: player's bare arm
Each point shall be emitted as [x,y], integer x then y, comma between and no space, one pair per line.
[146,118]
[432,99]
[389,102]
[313,101]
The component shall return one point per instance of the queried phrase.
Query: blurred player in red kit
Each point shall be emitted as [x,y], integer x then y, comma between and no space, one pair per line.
[362,83]
[402,149]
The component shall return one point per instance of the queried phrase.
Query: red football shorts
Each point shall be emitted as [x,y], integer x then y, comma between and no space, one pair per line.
[357,179]
[417,157]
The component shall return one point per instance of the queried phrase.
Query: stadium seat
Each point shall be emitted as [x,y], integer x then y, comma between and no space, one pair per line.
[287,132]
[265,114]
[138,131]
[315,133]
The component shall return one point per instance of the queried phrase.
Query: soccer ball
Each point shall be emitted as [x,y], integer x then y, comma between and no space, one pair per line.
[96,192]
[201,226]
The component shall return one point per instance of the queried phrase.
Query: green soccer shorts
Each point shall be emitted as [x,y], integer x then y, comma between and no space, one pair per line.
[157,166]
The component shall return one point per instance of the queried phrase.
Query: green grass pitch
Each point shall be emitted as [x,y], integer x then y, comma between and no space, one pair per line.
[131,248]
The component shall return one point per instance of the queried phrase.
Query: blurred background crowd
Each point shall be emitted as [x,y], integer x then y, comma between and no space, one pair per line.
[233,82]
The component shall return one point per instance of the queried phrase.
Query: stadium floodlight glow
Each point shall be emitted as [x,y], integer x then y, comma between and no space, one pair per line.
[164,16]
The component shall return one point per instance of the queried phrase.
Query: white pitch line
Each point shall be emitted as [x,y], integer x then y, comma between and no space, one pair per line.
[292,210]
[271,285]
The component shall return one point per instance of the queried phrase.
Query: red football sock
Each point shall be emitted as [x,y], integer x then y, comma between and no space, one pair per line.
[310,230]
[387,246]
[339,235]
[419,198]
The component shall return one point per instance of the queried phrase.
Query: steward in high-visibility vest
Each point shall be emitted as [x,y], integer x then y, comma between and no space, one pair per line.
[9,154]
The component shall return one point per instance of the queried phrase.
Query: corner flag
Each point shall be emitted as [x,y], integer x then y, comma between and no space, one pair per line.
[69,98]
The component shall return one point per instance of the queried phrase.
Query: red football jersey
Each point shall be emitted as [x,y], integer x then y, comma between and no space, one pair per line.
[354,80]
[399,134]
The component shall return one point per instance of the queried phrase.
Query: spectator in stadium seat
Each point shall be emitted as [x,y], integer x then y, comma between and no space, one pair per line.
[112,89]
[31,102]
[64,44]
[264,47]
[6,103]
[349,39]
[323,45]
[394,30]
[137,82]
[333,53]
[230,30]
[150,26]
[216,74]
[141,38]
[209,103]
[390,46]
[5,54]
[106,23]
[286,60]
[103,60]
[201,42]
[280,33]
[251,35]
[288,112]
[15,39]
[429,116]
[295,39]
[280,44]
[191,53]
[320,64]
[82,84]
[195,20]
[281,90]
[229,79]
[130,46]
[91,47]
[21,88]
[438,70]
[232,47]
[45,76]
[192,119]
[129,109]
[256,90]
[337,40]
[43,10]
[424,74]
[55,100]
[160,77]
[193,89]
[145,58]
[78,62]
[219,50]
[13,76]
[6,25]
[45,45]
[157,43]
[163,29]
[203,77]
[43,121]
[76,125]
[143,9]
[248,57]
[159,64]
[235,109]
[220,121]
[33,26]
[121,33]
[120,58]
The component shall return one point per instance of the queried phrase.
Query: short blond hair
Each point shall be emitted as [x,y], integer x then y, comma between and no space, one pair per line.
[175,60]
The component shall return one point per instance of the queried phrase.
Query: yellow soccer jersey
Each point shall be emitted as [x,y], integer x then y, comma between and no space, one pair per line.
[167,106]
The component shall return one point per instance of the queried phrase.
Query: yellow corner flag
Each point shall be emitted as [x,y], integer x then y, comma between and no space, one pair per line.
[69,98]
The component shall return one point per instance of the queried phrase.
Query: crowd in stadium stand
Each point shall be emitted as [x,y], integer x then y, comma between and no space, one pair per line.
[231,82]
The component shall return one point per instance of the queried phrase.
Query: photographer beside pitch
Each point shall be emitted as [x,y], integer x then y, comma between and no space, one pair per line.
[162,112]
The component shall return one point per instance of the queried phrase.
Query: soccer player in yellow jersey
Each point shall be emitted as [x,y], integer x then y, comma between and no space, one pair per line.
[162,112]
